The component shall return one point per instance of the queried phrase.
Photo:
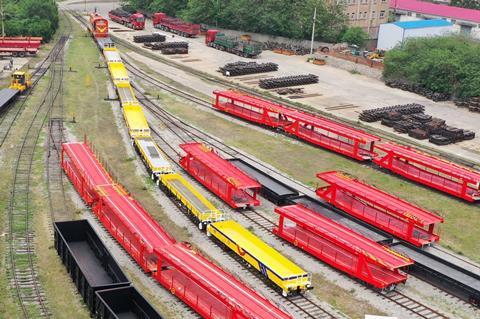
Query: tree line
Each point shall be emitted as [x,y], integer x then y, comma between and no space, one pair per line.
[441,64]
[469,4]
[30,18]
[288,18]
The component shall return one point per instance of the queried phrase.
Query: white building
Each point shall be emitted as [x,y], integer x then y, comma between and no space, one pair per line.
[393,34]
[465,21]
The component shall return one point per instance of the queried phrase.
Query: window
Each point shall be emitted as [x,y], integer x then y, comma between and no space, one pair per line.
[382,14]
[373,15]
[465,29]
[365,14]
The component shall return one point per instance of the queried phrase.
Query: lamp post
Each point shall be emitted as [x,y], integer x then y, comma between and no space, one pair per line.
[313,29]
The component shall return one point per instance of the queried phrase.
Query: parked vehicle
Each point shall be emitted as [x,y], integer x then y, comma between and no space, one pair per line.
[134,21]
[178,26]
[247,49]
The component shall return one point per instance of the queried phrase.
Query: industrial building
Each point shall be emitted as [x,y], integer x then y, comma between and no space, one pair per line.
[393,34]
[465,21]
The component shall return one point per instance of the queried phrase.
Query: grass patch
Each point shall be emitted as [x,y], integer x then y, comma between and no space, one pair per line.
[342,299]
[61,297]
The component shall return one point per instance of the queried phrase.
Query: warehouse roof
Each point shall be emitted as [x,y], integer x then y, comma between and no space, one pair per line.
[420,24]
[439,10]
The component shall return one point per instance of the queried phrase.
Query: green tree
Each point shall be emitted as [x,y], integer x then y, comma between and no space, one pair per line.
[441,64]
[31,18]
[355,35]
[469,4]
[289,18]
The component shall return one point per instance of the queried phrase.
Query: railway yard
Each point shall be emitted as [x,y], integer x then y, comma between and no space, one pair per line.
[142,182]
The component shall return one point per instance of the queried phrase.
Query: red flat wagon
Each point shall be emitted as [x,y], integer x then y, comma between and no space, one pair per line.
[341,247]
[429,170]
[20,46]
[205,287]
[121,215]
[314,129]
[220,176]
[186,29]
[385,211]
[208,289]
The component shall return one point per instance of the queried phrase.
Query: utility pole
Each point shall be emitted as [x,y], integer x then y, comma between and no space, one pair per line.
[3,24]
[313,29]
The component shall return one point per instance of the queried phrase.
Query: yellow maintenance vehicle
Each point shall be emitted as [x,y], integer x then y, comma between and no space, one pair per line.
[20,81]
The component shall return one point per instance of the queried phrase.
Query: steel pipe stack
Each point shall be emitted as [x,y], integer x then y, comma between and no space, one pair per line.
[243,68]
[169,45]
[149,38]
[288,81]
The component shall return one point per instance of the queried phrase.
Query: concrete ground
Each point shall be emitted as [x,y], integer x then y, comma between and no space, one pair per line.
[336,86]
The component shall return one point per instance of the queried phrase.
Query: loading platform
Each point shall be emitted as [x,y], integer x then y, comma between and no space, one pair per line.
[6,96]
[314,129]
[442,273]
[272,189]
[208,289]
[125,94]
[285,274]
[153,158]
[112,55]
[118,72]
[220,176]
[341,247]
[136,121]
[203,211]
[387,212]
[429,170]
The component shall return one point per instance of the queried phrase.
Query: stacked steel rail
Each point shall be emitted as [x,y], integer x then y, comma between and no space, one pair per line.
[199,283]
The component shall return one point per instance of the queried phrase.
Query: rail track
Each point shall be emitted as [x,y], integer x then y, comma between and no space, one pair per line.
[22,270]
[187,133]
[297,303]
[14,111]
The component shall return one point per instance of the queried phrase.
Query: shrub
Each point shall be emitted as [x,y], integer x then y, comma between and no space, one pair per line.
[442,64]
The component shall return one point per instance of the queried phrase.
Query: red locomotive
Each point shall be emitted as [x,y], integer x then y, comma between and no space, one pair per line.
[134,21]
[98,25]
